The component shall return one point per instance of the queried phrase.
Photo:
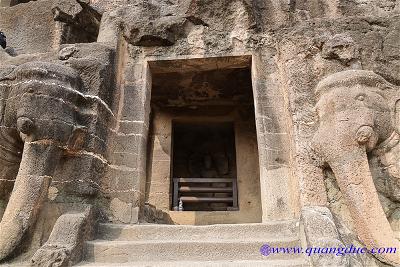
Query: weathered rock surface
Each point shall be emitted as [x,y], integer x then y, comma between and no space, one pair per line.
[66,241]
[77,102]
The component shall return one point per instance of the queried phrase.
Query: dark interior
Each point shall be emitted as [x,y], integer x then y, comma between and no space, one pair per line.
[225,87]
[204,150]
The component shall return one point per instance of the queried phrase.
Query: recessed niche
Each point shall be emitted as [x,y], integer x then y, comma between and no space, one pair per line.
[204,166]
[82,28]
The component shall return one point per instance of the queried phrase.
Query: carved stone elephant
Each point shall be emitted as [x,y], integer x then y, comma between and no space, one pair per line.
[40,106]
[357,113]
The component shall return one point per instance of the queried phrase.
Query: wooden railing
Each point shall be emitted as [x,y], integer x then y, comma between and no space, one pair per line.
[189,193]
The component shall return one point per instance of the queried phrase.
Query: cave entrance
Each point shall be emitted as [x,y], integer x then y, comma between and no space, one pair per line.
[204,166]
[202,143]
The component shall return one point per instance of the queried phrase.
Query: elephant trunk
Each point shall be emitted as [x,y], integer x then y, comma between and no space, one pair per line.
[355,181]
[30,190]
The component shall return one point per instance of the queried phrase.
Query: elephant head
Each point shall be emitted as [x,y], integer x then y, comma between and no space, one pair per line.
[357,112]
[39,120]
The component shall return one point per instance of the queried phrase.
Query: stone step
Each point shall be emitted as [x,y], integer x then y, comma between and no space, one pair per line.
[143,232]
[246,263]
[103,251]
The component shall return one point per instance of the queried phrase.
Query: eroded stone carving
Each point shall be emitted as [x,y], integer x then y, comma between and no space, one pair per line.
[357,112]
[98,141]
[65,244]
[388,153]
[39,122]
[320,231]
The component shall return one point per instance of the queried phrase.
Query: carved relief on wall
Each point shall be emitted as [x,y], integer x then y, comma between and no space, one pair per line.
[358,114]
[40,122]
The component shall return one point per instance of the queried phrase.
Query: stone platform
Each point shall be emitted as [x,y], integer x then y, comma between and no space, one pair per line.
[186,245]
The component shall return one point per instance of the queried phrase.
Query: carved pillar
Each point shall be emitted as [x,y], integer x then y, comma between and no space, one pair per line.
[128,152]
[278,185]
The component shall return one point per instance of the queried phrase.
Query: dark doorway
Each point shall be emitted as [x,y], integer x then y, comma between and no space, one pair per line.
[204,166]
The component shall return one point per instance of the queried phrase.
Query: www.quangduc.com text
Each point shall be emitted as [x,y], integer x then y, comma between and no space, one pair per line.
[267,250]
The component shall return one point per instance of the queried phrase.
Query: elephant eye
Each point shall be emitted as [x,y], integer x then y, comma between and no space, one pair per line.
[360,97]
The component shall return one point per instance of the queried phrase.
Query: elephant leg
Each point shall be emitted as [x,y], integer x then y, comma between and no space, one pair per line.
[30,190]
